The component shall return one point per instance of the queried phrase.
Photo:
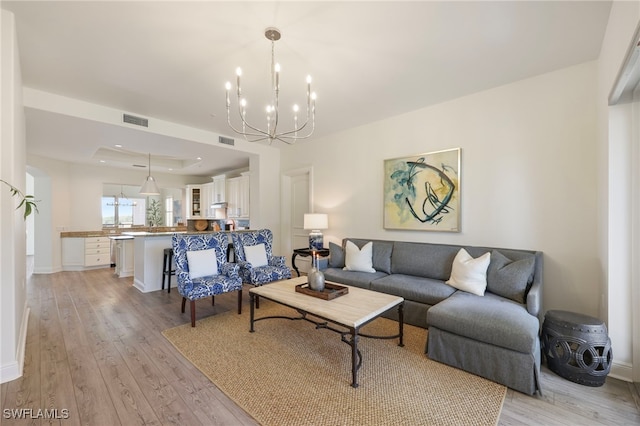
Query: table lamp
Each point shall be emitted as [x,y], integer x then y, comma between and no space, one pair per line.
[315,222]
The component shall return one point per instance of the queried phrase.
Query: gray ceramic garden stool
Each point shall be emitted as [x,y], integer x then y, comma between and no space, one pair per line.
[167,268]
[577,347]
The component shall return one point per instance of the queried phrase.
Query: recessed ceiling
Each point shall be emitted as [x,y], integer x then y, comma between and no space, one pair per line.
[369,60]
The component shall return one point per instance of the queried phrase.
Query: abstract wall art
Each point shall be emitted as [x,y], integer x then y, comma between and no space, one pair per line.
[422,192]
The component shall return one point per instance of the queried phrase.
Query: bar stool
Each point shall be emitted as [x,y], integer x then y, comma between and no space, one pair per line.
[167,268]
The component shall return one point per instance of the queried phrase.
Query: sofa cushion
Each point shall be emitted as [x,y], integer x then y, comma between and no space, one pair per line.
[417,289]
[336,256]
[354,278]
[423,260]
[509,278]
[469,274]
[490,319]
[381,252]
[358,259]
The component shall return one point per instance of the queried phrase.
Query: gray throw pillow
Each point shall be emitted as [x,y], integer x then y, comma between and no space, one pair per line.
[508,278]
[336,256]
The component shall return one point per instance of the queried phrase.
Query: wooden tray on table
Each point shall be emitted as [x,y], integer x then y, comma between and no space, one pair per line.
[331,291]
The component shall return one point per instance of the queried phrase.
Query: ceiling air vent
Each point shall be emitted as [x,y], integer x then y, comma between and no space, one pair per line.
[226,141]
[132,119]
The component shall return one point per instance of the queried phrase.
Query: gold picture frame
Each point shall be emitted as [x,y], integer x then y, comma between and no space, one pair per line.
[422,192]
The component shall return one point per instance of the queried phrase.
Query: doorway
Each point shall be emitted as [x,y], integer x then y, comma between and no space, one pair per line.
[297,199]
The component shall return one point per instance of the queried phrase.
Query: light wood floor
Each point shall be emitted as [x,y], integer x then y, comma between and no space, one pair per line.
[94,348]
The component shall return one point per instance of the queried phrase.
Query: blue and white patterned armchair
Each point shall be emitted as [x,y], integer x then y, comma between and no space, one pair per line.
[210,273]
[274,270]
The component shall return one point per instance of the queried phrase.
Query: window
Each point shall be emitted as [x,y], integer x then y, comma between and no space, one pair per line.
[118,211]
[108,211]
[168,211]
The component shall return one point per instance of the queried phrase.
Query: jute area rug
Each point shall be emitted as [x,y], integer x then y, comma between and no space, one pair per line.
[290,373]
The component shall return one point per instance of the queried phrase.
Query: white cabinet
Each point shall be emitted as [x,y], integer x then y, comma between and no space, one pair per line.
[211,194]
[97,251]
[201,197]
[72,254]
[124,257]
[238,191]
[194,201]
[79,254]
[219,189]
[207,194]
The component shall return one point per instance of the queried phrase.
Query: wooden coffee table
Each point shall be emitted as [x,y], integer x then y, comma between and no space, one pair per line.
[351,311]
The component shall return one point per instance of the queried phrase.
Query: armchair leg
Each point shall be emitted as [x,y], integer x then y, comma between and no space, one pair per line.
[257,302]
[213,300]
[193,312]
[184,300]
[239,301]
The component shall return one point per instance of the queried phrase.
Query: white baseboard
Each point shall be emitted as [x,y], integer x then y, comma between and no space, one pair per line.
[622,371]
[47,270]
[139,285]
[13,370]
[10,371]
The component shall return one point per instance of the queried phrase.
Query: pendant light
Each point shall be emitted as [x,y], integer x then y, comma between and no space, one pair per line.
[149,187]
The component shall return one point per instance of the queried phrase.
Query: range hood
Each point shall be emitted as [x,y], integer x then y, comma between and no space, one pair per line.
[219,205]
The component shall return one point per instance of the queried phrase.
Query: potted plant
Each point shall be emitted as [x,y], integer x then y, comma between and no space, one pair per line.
[28,201]
[154,215]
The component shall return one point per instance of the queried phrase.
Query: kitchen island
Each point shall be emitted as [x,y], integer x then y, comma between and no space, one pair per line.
[147,248]
[148,255]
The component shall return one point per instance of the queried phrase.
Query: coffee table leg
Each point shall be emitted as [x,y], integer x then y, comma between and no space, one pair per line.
[401,324]
[354,358]
[251,310]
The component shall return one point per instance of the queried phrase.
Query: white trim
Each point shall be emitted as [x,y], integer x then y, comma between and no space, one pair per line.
[139,285]
[628,76]
[635,233]
[49,270]
[10,372]
[622,371]
[14,369]
[285,204]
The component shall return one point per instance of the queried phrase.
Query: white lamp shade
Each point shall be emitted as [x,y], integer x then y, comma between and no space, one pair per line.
[149,187]
[316,221]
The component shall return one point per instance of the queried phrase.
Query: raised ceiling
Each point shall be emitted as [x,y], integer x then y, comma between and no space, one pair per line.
[369,60]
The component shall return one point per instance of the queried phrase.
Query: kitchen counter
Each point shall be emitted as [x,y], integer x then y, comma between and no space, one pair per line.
[110,232]
[151,234]
[140,232]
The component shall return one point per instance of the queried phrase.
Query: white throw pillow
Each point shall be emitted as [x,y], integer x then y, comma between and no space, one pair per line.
[256,255]
[202,263]
[469,274]
[356,259]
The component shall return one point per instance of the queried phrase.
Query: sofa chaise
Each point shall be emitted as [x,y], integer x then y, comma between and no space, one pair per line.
[493,334]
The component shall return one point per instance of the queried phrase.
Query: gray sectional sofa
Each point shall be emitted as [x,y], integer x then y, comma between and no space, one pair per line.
[495,336]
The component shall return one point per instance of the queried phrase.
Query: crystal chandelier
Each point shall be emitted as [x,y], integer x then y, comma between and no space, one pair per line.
[254,134]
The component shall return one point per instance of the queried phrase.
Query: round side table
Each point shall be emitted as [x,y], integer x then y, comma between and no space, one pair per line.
[577,347]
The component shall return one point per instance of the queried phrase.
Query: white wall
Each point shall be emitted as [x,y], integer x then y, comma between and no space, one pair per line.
[616,196]
[528,175]
[13,308]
